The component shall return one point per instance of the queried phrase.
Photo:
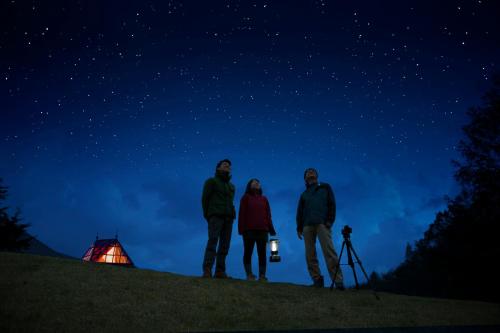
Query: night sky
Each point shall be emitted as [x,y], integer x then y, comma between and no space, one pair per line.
[114,113]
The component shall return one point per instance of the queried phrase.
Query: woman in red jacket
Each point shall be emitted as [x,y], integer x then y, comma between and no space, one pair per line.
[254,223]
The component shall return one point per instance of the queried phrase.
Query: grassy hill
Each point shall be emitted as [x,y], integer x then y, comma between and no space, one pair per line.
[54,294]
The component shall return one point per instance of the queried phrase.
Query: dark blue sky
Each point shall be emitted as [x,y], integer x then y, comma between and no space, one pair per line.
[113,114]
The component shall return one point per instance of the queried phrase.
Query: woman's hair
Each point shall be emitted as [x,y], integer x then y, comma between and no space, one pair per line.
[249,189]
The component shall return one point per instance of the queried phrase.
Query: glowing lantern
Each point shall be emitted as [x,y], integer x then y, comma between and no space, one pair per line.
[274,244]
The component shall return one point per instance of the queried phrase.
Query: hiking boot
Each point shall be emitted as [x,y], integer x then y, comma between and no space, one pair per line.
[221,275]
[262,278]
[319,282]
[207,273]
[251,277]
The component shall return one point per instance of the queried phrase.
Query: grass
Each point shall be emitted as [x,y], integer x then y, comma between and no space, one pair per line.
[54,294]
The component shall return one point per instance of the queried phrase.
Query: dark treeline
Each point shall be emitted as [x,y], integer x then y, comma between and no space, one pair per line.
[460,252]
[13,236]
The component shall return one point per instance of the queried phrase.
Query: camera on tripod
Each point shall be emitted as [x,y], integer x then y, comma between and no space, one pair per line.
[347,245]
[346,231]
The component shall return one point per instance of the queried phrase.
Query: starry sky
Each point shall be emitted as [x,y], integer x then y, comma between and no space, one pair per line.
[114,113]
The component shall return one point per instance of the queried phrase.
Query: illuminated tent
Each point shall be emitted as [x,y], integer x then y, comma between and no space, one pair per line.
[108,251]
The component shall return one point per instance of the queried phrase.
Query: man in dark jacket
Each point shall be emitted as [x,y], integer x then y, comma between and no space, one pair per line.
[315,216]
[219,211]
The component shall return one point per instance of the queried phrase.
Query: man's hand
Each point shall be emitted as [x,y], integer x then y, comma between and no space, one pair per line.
[299,234]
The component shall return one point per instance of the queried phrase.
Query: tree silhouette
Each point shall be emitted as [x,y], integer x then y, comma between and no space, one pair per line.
[12,232]
[457,255]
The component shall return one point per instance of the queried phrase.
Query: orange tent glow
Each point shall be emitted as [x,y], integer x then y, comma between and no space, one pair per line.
[108,251]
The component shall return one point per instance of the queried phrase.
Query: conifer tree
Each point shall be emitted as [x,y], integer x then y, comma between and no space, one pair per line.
[13,236]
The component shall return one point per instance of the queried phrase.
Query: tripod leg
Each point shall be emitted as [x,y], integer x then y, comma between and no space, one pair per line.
[359,262]
[338,265]
[364,272]
[351,263]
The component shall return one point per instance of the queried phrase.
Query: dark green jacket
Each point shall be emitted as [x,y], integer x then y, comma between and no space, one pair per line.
[316,206]
[217,198]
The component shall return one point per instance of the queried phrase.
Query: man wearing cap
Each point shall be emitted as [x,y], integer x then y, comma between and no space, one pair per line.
[315,216]
[219,212]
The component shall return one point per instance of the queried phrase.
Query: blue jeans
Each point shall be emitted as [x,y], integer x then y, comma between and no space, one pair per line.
[219,233]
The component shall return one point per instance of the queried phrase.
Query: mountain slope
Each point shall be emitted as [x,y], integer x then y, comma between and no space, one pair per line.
[40,248]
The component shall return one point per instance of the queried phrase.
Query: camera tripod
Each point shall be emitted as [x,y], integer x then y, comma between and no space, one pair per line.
[346,232]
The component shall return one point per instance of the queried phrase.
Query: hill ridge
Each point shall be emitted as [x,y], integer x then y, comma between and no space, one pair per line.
[45,293]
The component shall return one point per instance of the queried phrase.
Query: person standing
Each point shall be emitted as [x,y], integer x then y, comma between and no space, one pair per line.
[315,216]
[219,212]
[255,224]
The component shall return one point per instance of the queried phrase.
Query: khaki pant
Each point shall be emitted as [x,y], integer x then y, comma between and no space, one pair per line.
[324,235]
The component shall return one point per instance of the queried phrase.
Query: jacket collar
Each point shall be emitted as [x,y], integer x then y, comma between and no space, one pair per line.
[224,176]
[308,186]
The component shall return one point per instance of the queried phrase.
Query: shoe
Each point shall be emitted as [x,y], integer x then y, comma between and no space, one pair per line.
[221,275]
[262,278]
[251,277]
[319,282]
[207,273]
[339,286]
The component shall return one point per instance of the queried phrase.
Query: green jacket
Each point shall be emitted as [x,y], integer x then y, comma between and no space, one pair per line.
[218,196]
[316,206]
